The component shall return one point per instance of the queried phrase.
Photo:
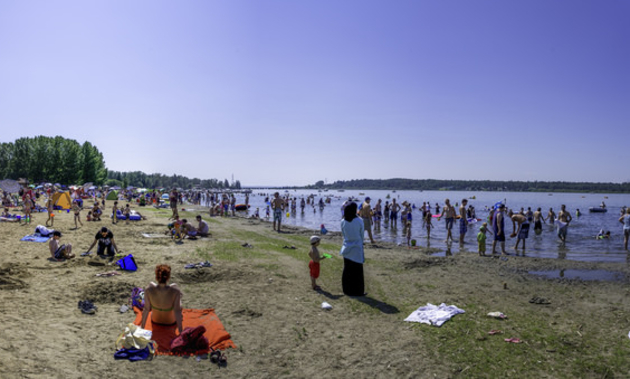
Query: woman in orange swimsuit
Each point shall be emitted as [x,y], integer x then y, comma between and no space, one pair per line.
[163,301]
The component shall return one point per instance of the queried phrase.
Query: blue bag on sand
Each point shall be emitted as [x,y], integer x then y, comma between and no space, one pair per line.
[127,263]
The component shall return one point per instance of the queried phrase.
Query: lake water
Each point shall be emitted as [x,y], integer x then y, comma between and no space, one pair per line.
[581,242]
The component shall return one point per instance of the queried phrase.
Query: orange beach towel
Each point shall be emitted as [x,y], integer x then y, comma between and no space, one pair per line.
[216,334]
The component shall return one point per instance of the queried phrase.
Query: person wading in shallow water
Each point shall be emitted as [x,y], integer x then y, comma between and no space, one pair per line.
[366,216]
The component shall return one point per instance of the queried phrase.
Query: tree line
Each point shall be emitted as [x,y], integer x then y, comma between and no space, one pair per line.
[51,159]
[141,180]
[474,185]
[60,160]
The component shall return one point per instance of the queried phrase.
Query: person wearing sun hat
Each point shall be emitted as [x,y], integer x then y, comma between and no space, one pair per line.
[313,265]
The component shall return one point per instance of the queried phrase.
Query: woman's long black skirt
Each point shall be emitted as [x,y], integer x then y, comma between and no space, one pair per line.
[352,278]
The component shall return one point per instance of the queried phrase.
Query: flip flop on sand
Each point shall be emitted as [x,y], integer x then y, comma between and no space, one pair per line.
[110,273]
[539,300]
[215,355]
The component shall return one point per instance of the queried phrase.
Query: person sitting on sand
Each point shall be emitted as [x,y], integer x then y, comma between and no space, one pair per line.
[59,253]
[203,230]
[96,212]
[188,230]
[163,301]
[105,240]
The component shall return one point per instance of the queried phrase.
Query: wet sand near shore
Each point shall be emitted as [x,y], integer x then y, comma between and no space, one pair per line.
[263,297]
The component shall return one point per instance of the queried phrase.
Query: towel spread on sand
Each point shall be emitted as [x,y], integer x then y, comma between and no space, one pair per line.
[147,235]
[34,238]
[434,314]
[163,335]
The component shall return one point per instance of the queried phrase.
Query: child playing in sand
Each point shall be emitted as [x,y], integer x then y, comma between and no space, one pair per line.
[77,214]
[89,216]
[6,213]
[313,265]
[481,239]
[59,253]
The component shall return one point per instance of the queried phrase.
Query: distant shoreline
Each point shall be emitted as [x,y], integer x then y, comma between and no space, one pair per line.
[463,185]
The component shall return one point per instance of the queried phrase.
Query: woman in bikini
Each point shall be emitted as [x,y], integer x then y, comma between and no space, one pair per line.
[163,301]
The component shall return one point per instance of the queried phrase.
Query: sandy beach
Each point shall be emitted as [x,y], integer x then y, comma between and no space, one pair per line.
[263,297]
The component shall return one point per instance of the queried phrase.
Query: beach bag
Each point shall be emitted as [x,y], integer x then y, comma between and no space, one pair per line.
[127,263]
[190,340]
[137,298]
[134,337]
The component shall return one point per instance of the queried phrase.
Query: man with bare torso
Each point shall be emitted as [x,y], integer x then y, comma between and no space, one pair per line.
[366,214]
[277,204]
[564,218]
[449,212]
[463,221]
[538,220]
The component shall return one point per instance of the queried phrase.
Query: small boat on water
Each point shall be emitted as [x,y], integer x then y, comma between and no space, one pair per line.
[597,210]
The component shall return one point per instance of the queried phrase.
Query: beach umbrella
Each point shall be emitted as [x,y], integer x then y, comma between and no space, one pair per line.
[10,185]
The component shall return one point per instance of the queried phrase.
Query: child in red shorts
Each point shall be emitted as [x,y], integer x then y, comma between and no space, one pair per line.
[313,265]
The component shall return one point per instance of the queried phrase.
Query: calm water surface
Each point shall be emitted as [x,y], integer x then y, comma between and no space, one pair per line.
[581,242]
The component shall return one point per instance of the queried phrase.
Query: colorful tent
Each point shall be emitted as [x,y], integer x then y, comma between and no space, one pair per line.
[112,195]
[62,200]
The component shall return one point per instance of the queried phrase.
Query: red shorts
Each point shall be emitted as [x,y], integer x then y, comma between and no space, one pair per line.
[314,267]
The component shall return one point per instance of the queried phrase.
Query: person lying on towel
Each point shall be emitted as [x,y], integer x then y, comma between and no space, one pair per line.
[163,301]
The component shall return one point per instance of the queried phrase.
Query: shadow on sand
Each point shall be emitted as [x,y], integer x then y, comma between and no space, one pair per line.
[383,307]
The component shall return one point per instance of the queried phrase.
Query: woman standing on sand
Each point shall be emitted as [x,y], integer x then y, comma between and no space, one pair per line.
[352,252]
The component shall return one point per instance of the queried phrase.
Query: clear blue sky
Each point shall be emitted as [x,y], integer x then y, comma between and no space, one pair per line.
[292,92]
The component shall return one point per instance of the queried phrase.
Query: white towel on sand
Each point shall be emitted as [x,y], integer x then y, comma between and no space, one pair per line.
[434,314]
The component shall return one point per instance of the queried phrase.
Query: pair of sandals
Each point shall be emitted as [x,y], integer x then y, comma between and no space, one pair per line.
[219,358]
